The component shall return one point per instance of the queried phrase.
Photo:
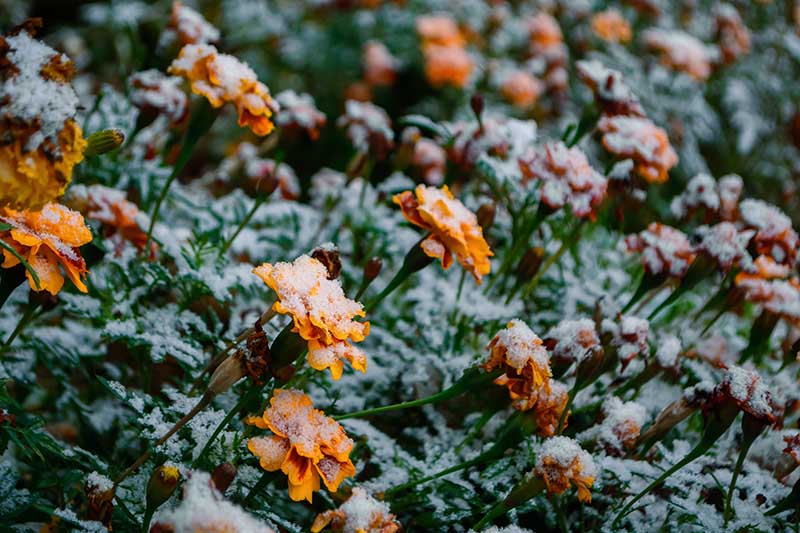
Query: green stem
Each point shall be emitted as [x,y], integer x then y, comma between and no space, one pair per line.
[262,482]
[550,261]
[30,309]
[415,260]
[484,419]
[736,470]
[244,400]
[199,124]
[148,517]
[258,203]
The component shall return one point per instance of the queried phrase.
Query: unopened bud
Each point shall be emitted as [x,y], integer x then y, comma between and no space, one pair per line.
[103,141]
[372,269]
[328,255]
[223,476]
[486,214]
[163,482]
[227,373]
[530,263]
[476,102]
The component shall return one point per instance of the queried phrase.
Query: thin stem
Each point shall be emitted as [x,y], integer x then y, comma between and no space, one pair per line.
[24,320]
[244,400]
[262,482]
[736,470]
[497,511]
[148,517]
[484,419]
[550,261]
[258,203]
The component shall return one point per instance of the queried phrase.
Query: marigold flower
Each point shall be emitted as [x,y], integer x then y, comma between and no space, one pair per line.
[769,286]
[548,50]
[726,245]
[299,111]
[447,65]
[612,95]
[732,35]
[628,337]
[472,140]
[368,128]
[150,89]
[544,32]
[203,509]
[360,513]
[257,170]
[524,360]
[730,189]
[621,425]
[46,239]
[571,340]
[639,139]
[430,159]
[665,250]
[223,78]
[190,26]
[748,392]
[380,66]
[521,89]
[320,311]
[611,26]
[680,51]
[561,462]
[792,447]
[439,30]
[566,178]
[454,228]
[305,444]
[110,207]
[775,236]
[41,140]
[549,407]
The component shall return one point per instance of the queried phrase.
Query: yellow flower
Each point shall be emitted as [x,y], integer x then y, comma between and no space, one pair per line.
[562,462]
[41,140]
[548,408]
[306,445]
[321,312]
[522,355]
[454,228]
[360,513]
[110,207]
[223,78]
[46,238]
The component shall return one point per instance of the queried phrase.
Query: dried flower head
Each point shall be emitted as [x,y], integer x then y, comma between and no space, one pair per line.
[665,250]
[299,111]
[610,92]
[748,392]
[204,509]
[566,178]
[111,208]
[775,236]
[380,66]
[561,462]
[46,239]
[732,35]
[190,26]
[305,444]
[152,90]
[223,78]
[571,340]
[549,407]
[321,312]
[521,89]
[41,141]
[611,26]
[454,228]
[360,513]
[368,128]
[680,51]
[642,141]
[525,363]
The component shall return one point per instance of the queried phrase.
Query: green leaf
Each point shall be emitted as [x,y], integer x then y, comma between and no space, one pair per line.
[22,260]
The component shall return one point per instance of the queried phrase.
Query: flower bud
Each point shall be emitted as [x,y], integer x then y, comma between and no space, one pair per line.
[530,263]
[372,269]
[227,373]
[486,214]
[328,255]
[223,476]
[476,102]
[163,482]
[104,141]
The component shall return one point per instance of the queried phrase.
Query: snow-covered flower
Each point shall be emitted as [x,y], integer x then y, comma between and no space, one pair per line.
[520,88]
[360,513]
[306,445]
[454,228]
[549,408]
[561,463]
[41,142]
[745,388]
[368,128]
[520,353]
[611,93]
[111,208]
[666,251]
[47,239]
[611,26]
[571,339]
[775,235]
[300,112]
[380,66]
[732,35]
[680,51]
[152,90]
[642,141]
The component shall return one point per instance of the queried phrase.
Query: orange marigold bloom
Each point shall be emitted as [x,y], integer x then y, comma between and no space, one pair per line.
[732,35]
[775,235]
[46,239]
[447,65]
[680,51]
[191,27]
[223,78]
[665,250]
[454,228]
[521,89]
[769,286]
[110,207]
[439,30]
[745,389]
[639,139]
[549,407]
[360,513]
[544,32]
[622,423]
[380,67]
[609,89]
[523,357]
[321,312]
[611,26]
[305,444]
[41,140]
[561,462]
